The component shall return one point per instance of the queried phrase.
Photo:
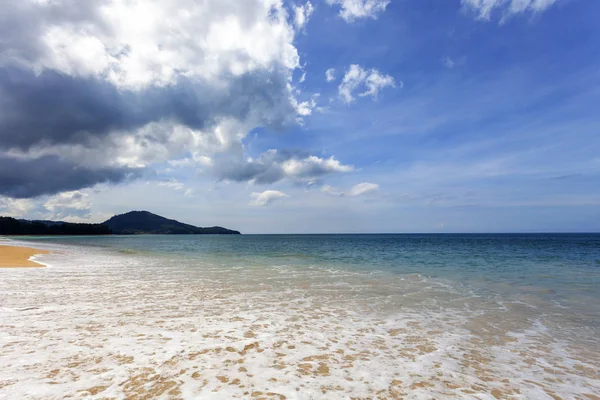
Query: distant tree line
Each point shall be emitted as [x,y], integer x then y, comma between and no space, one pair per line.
[131,223]
[11,226]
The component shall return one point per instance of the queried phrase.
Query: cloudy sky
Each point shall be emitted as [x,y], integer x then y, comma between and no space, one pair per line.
[292,116]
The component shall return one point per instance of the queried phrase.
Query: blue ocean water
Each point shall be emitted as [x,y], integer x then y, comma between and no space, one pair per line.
[467,315]
[561,264]
[563,269]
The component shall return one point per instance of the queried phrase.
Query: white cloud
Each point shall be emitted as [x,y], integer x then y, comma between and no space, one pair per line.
[330,75]
[136,44]
[181,162]
[302,78]
[267,197]
[306,108]
[485,8]
[456,62]
[15,207]
[172,184]
[69,206]
[312,166]
[356,190]
[371,81]
[72,206]
[352,10]
[375,81]
[363,188]
[302,14]
[449,63]
[204,161]
[331,190]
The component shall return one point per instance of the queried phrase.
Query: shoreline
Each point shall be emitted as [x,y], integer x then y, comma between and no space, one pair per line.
[20,257]
[228,324]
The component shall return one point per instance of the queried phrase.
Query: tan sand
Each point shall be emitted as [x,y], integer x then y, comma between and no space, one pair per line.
[18,257]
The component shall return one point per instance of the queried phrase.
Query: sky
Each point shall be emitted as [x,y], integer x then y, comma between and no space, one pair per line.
[324,116]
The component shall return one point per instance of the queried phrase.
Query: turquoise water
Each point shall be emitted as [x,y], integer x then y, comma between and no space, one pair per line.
[466,315]
[563,267]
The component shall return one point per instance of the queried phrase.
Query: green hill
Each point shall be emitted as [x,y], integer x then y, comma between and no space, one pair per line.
[131,223]
[144,222]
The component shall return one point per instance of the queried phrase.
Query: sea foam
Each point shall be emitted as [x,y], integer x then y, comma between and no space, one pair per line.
[114,325]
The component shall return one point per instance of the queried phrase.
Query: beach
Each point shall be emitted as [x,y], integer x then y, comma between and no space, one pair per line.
[19,257]
[298,318]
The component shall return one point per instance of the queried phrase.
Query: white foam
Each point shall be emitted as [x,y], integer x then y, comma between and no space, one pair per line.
[118,324]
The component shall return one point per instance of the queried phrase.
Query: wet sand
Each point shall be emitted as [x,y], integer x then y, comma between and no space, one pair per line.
[19,257]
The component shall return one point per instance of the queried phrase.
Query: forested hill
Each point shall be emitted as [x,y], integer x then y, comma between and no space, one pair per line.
[144,222]
[131,223]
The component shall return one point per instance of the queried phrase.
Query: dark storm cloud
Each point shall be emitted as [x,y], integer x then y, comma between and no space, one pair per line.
[55,109]
[48,175]
[38,111]
[52,108]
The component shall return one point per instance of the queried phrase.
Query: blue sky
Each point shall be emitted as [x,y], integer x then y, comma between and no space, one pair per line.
[477,119]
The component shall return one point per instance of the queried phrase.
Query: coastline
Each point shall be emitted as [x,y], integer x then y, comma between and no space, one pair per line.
[207,317]
[20,257]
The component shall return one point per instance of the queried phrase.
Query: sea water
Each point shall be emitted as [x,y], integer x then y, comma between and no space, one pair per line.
[304,317]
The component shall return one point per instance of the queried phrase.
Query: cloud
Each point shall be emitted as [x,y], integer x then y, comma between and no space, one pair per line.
[186,162]
[66,206]
[306,108]
[15,207]
[352,10]
[331,190]
[485,8]
[371,81]
[151,43]
[456,62]
[70,206]
[24,178]
[119,85]
[172,184]
[449,63]
[275,165]
[302,14]
[363,188]
[330,75]
[72,110]
[302,77]
[267,197]
[356,190]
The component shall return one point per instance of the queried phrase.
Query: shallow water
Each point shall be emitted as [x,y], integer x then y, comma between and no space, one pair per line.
[305,317]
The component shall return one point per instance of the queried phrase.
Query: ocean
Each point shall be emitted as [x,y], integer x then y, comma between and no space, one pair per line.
[473,316]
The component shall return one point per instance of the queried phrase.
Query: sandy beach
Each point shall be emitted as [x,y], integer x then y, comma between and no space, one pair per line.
[302,317]
[19,257]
